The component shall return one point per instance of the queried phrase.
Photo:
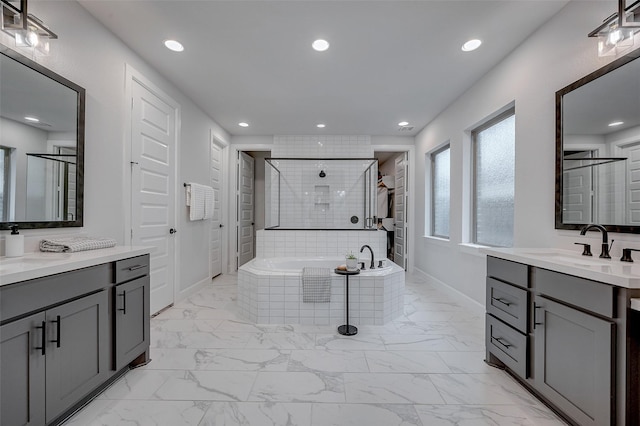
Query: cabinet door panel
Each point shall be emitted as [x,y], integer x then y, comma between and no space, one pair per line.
[80,363]
[574,362]
[22,369]
[132,320]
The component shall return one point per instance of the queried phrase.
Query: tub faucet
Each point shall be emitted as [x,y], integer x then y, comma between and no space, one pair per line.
[372,260]
[605,238]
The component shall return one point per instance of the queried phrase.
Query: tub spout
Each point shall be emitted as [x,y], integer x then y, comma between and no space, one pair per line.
[372,259]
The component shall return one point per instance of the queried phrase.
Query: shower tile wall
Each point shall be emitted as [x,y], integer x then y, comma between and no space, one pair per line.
[308,201]
[322,147]
[275,243]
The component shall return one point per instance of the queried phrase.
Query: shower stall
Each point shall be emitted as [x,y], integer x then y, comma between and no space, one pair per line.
[314,193]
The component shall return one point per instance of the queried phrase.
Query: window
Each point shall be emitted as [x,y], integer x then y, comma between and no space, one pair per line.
[493,183]
[440,176]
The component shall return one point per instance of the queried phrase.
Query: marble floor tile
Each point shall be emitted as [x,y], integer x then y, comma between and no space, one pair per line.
[468,362]
[138,384]
[390,388]
[357,342]
[281,341]
[364,415]
[416,342]
[184,326]
[211,367]
[140,413]
[405,362]
[257,414]
[498,415]
[335,361]
[208,386]
[298,387]
[197,339]
[481,389]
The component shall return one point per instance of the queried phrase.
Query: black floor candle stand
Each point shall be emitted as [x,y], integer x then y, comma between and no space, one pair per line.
[346,329]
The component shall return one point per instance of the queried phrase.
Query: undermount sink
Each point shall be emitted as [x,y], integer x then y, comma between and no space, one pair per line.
[577,259]
[30,261]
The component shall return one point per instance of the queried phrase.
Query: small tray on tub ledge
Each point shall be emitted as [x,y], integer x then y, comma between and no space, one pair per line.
[341,272]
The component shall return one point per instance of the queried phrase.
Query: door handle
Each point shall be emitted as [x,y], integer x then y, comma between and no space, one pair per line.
[535,315]
[172,231]
[221,226]
[57,339]
[43,338]
[124,302]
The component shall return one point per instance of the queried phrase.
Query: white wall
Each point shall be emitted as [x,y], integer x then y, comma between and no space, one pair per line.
[94,58]
[555,56]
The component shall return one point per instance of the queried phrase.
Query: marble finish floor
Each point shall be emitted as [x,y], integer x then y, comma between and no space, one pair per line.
[209,367]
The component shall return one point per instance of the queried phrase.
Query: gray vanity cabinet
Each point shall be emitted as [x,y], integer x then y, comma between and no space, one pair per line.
[66,336]
[22,369]
[131,320]
[574,361]
[77,357]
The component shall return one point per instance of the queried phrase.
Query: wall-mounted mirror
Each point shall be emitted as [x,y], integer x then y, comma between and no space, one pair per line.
[598,149]
[41,145]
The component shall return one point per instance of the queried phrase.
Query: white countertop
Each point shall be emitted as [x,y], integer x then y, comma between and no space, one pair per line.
[40,264]
[610,271]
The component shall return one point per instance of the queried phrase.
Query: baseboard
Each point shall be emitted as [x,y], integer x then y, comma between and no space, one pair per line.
[194,288]
[469,302]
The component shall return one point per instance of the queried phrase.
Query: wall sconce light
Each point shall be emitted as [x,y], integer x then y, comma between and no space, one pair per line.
[617,31]
[28,30]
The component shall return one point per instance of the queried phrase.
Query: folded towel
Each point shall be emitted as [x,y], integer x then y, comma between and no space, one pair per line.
[316,284]
[73,244]
[200,201]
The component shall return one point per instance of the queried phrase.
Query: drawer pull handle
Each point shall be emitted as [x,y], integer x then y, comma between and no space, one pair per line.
[57,340]
[134,267]
[43,338]
[124,302]
[535,315]
[501,300]
[500,340]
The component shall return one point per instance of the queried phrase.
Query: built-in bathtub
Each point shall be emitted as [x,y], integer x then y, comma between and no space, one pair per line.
[270,292]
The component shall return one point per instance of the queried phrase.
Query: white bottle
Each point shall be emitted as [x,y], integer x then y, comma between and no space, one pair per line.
[14,243]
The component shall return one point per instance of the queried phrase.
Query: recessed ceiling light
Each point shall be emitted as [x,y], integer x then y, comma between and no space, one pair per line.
[320,45]
[320,126]
[616,123]
[174,45]
[403,123]
[32,119]
[471,45]
[243,124]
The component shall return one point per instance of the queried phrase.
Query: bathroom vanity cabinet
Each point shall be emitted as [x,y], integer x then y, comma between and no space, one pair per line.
[63,337]
[567,338]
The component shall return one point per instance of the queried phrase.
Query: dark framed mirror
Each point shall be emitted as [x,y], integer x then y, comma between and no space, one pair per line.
[598,149]
[41,146]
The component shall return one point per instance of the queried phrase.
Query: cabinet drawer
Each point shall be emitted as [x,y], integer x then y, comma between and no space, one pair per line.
[509,303]
[508,345]
[134,267]
[586,294]
[506,270]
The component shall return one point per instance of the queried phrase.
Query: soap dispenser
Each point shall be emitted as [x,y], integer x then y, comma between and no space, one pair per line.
[14,243]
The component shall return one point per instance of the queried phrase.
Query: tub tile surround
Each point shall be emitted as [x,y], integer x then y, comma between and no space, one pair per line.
[277,299]
[363,379]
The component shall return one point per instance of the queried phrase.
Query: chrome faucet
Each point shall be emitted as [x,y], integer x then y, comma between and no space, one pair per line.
[605,238]
[372,261]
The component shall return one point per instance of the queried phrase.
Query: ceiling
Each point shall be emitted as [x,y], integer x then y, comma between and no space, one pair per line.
[389,61]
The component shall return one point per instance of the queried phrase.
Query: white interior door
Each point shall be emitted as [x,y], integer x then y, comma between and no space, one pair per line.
[632,152]
[153,142]
[245,208]
[215,248]
[400,212]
